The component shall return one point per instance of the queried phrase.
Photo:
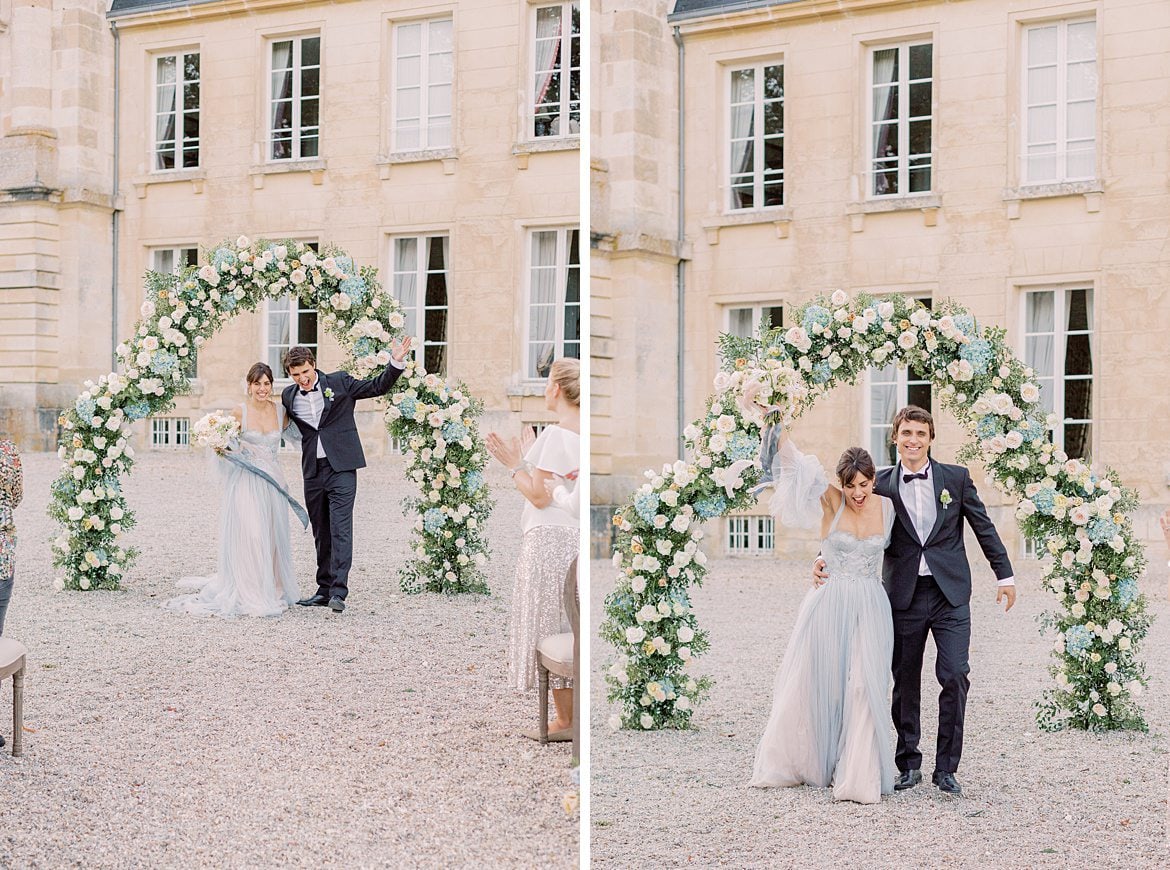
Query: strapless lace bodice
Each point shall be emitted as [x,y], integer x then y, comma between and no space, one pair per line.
[254,442]
[851,558]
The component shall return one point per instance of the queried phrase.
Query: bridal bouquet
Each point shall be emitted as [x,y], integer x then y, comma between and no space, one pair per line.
[766,392]
[216,430]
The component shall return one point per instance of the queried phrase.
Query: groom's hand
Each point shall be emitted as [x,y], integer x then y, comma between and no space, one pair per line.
[820,578]
[1008,592]
[400,348]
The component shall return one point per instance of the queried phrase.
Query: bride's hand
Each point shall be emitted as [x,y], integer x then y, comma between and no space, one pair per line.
[820,578]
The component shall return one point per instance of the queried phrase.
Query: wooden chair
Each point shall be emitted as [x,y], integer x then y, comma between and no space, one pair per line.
[560,654]
[12,658]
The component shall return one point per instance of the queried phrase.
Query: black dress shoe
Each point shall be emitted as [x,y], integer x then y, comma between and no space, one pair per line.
[907,779]
[317,600]
[947,783]
[336,604]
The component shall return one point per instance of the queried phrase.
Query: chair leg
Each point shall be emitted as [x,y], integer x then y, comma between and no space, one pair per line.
[18,713]
[543,671]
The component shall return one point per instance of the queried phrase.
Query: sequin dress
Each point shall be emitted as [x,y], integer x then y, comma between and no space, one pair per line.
[550,542]
[830,722]
[11,492]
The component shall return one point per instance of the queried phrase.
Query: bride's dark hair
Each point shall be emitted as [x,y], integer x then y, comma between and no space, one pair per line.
[854,461]
[258,371]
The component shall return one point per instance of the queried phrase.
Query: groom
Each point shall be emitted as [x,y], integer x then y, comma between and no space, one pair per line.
[321,405]
[928,580]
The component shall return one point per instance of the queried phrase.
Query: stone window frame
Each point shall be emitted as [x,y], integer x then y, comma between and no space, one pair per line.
[421,308]
[296,160]
[155,56]
[170,433]
[757,530]
[1060,287]
[729,68]
[902,383]
[530,374]
[425,149]
[530,140]
[902,42]
[756,308]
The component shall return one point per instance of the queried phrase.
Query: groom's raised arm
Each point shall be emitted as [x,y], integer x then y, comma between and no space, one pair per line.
[380,385]
[984,529]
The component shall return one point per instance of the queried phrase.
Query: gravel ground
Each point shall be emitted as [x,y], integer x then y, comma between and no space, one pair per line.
[1031,799]
[382,737]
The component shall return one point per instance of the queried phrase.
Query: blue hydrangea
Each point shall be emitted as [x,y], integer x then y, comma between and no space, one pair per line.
[1102,530]
[1126,592]
[434,520]
[646,504]
[1077,639]
[137,411]
[345,264]
[223,258]
[365,347]
[816,314]
[453,430]
[355,289]
[821,372]
[1031,428]
[1045,500]
[741,445]
[102,556]
[473,482]
[227,302]
[979,354]
[710,506]
[164,362]
[64,486]
[965,323]
[86,408]
[987,427]
[408,406]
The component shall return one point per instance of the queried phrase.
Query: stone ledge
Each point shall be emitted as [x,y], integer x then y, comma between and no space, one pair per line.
[927,203]
[449,157]
[1092,190]
[780,216]
[314,166]
[196,177]
[545,145]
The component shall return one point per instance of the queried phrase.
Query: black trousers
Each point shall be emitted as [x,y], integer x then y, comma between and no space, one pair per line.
[329,498]
[930,613]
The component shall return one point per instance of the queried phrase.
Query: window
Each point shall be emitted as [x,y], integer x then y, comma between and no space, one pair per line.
[295,98]
[900,119]
[174,260]
[423,74]
[422,262]
[289,322]
[556,65]
[176,111]
[891,388]
[744,320]
[1060,102]
[170,432]
[554,300]
[536,427]
[1058,345]
[756,161]
[750,535]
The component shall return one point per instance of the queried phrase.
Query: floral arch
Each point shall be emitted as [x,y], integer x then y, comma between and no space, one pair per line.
[436,423]
[1082,515]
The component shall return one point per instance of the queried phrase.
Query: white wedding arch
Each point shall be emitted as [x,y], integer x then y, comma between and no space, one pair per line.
[437,424]
[1081,516]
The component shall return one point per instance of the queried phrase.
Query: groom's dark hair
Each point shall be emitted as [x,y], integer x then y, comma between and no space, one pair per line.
[912,413]
[298,356]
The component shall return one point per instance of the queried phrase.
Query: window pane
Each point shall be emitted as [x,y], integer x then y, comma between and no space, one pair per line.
[774,82]
[310,82]
[164,260]
[883,399]
[774,315]
[739,322]
[920,61]
[885,66]
[1042,45]
[1040,312]
[920,94]
[440,35]
[409,38]
[1042,85]
[1076,440]
[166,70]
[311,51]
[1082,81]
[1038,354]
[743,85]
[918,394]
[1042,124]
[1080,313]
[920,137]
[306,327]
[1082,41]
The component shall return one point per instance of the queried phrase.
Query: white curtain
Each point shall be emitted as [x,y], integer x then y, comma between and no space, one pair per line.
[743,118]
[884,110]
[548,45]
[164,129]
[406,281]
[281,63]
[543,304]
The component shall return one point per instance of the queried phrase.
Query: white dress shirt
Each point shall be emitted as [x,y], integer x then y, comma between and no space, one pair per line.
[308,406]
[918,497]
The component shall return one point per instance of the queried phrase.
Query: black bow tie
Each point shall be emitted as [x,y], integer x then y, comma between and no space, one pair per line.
[906,478]
[306,392]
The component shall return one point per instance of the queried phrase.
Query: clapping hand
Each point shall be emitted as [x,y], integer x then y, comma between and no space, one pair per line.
[527,439]
[399,348]
[1164,522]
[507,450]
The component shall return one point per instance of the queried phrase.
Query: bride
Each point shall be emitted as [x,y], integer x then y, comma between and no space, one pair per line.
[830,721]
[255,576]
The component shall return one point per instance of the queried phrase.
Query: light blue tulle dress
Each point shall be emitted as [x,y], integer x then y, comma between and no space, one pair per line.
[830,722]
[255,574]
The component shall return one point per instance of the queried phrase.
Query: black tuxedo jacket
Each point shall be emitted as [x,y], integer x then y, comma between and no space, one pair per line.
[943,547]
[336,428]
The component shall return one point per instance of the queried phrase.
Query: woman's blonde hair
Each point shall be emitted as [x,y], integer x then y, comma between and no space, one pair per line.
[566,374]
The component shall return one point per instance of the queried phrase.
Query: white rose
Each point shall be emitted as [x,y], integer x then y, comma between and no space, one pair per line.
[75,514]
[680,523]
[1013,440]
[920,317]
[907,340]
[839,297]
[647,720]
[685,634]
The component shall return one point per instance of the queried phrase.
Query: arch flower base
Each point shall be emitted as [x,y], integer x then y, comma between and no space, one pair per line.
[445,453]
[1082,515]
